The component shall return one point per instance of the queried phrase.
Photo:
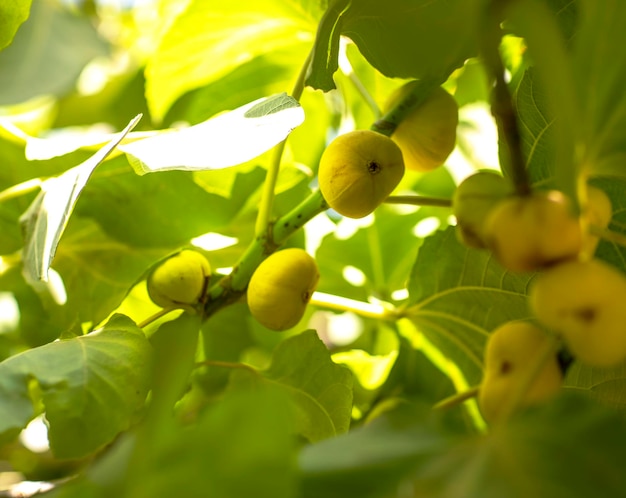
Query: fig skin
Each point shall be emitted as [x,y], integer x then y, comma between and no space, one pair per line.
[473,200]
[597,211]
[180,280]
[511,350]
[532,232]
[427,135]
[584,302]
[358,171]
[281,287]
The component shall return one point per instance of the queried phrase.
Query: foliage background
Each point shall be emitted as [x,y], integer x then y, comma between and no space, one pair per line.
[342,404]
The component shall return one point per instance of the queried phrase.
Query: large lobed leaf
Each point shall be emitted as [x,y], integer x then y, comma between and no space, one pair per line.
[459,295]
[407,449]
[216,38]
[91,386]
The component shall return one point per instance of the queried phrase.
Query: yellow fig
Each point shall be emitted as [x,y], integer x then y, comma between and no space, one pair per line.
[358,171]
[473,200]
[427,135]
[527,233]
[511,351]
[597,211]
[584,302]
[180,281]
[281,287]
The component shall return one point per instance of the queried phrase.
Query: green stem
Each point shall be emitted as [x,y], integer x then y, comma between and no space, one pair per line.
[418,200]
[153,318]
[502,102]
[419,93]
[227,364]
[457,399]
[21,189]
[232,287]
[367,310]
[264,217]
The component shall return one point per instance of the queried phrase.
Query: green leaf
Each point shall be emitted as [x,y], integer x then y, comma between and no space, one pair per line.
[230,34]
[600,70]
[226,140]
[48,53]
[459,295]
[569,448]
[45,220]
[91,387]
[320,389]
[241,446]
[607,385]
[420,39]
[12,15]
[371,461]
[536,126]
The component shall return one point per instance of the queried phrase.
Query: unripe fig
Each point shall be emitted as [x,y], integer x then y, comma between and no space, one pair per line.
[281,287]
[527,233]
[180,281]
[358,171]
[585,302]
[473,200]
[427,135]
[511,351]
[597,211]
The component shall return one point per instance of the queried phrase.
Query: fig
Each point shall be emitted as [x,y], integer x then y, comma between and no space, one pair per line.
[583,301]
[597,211]
[510,353]
[427,135]
[180,281]
[358,171]
[527,233]
[472,201]
[281,287]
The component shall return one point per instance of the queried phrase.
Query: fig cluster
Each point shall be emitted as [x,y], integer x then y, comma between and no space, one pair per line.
[575,298]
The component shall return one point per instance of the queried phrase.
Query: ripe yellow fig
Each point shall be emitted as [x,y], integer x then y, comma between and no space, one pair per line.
[473,199]
[511,351]
[597,211]
[281,287]
[585,302]
[180,281]
[358,171]
[527,233]
[427,135]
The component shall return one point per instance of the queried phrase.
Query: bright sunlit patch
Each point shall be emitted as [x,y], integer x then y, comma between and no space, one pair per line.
[9,312]
[213,241]
[371,370]
[452,220]
[400,294]
[316,229]
[347,227]
[354,276]
[337,329]
[426,226]
[35,435]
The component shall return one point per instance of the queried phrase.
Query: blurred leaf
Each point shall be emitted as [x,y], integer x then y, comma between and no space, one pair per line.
[607,385]
[440,35]
[226,140]
[165,210]
[91,386]
[12,15]
[600,70]
[459,295]
[526,456]
[46,218]
[241,446]
[372,460]
[48,53]
[229,35]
